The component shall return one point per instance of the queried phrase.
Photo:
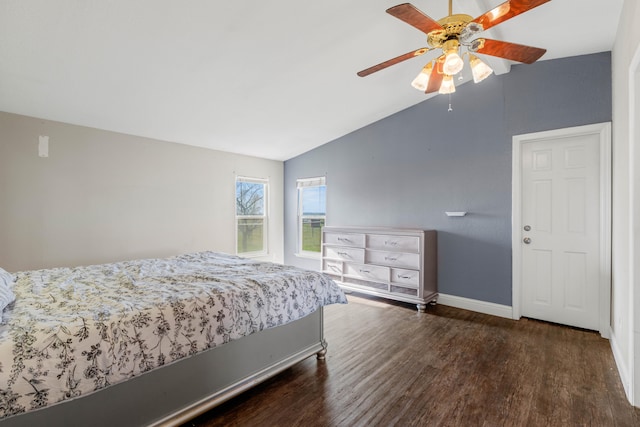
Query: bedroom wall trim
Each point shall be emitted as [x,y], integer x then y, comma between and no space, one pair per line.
[476,305]
[632,373]
[623,368]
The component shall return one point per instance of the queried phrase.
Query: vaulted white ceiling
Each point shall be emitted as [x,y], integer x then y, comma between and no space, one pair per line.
[271,79]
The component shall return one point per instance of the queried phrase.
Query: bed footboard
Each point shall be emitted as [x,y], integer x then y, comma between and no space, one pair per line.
[174,394]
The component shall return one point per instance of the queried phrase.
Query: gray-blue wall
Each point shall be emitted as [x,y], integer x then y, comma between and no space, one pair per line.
[408,169]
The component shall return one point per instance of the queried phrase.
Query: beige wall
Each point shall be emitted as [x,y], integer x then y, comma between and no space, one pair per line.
[625,223]
[102,196]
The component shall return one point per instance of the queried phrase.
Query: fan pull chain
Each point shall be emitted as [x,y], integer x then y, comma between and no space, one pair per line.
[450,108]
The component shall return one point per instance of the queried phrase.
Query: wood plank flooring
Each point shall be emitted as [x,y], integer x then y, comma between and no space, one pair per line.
[389,365]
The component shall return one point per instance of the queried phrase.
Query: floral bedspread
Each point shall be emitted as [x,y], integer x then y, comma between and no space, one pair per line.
[72,331]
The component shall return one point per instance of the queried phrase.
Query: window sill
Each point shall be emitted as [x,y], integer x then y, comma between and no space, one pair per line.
[253,254]
[308,255]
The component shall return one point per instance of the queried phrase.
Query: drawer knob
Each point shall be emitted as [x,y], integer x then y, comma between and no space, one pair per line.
[391,243]
[400,276]
[389,258]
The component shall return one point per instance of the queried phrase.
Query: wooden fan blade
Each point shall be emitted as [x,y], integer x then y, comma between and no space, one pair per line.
[506,10]
[393,61]
[435,79]
[414,17]
[512,51]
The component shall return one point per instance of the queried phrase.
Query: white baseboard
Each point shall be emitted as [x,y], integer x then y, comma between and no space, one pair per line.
[623,369]
[476,305]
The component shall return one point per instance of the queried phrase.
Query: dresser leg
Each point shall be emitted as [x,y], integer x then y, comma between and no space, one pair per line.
[422,308]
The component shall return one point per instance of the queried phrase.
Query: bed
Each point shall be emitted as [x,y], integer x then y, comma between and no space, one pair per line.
[152,342]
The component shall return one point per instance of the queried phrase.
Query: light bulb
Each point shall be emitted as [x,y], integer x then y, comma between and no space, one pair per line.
[479,69]
[422,80]
[447,85]
[452,64]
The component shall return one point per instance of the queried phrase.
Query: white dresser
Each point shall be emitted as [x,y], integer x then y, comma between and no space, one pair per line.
[393,263]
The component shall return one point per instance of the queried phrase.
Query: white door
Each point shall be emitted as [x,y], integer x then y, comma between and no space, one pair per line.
[560,236]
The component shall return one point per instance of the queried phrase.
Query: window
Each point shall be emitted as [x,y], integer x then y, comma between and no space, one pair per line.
[251,216]
[312,212]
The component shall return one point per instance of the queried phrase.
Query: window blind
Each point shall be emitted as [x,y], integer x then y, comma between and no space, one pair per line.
[311,182]
[252,180]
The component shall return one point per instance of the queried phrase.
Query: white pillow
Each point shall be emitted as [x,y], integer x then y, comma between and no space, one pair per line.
[6,294]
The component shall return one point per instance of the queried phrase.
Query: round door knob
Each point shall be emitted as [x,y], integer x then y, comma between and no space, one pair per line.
[526,240]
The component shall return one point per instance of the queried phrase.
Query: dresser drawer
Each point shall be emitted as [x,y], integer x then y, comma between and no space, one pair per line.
[368,272]
[346,254]
[394,259]
[344,239]
[405,277]
[393,243]
[332,267]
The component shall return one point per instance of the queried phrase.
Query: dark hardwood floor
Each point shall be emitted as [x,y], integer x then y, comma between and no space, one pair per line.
[389,365]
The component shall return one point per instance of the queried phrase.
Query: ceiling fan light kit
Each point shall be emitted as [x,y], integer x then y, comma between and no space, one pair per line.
[479,69]
[421,81]
[447,86]
[452,62]
[454,33]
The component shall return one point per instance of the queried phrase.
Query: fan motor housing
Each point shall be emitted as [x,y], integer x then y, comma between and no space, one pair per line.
[452,25]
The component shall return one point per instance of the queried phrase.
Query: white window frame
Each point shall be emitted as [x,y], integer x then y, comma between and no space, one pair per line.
[264,216]
[302,184]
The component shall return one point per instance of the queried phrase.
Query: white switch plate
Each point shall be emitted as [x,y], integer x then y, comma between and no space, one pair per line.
[43,146]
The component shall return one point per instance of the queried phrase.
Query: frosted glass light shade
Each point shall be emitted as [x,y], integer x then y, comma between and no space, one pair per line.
[452,64]
[422,80]
[479,69]
[447,85]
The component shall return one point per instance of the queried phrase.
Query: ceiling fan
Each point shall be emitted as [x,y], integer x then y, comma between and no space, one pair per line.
[455,32]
